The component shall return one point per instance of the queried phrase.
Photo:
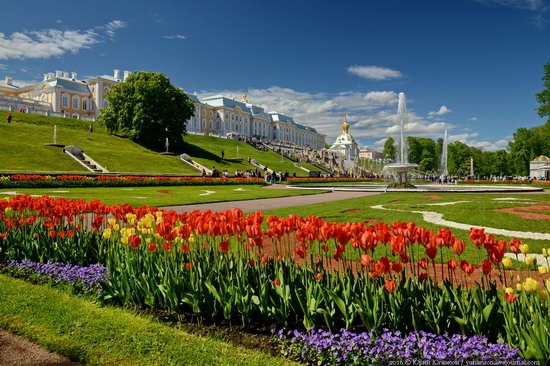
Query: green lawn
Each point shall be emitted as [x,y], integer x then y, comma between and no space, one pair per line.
[206,150]
[22,147]
[86,332]
[164,196]
[480,210]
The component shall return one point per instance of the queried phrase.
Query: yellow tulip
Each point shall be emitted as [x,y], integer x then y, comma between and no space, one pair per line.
[524,248]
[111,221]
[543,294]
[507,262]
[544,252]
[530,285]
[529,260]
[107,234]
[116,227]
[8,210]
[543,270]
[508,290]
[519,287]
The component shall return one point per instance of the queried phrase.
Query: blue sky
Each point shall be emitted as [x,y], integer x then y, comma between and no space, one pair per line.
[470,66]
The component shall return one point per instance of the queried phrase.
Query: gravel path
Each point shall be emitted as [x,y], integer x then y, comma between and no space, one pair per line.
[17,351]
[272,203]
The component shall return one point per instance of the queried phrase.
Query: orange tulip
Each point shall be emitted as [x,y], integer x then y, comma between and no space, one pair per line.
[390,285]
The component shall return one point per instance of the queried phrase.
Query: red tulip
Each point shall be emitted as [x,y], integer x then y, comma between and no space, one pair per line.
[152,247]
[510,297]
[458,246]
[396,267]
[224,245]
[365,260]
[390,285]
[188,266]
[134,241]
[452,264]
[277,282]
[486,267]
[514,246]
[319,276]
[264,259]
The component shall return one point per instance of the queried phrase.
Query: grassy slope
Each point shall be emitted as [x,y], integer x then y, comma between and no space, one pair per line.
[165,196]
[480,211]
[22,148]
[207,151]
[91,334]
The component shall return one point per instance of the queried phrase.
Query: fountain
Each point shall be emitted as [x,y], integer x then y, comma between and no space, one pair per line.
[401,169]
[443,164]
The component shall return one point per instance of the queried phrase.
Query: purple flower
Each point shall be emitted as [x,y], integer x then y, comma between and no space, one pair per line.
[89,278]
[317,346]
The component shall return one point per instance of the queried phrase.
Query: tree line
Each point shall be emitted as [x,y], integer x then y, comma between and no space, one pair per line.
[526,145]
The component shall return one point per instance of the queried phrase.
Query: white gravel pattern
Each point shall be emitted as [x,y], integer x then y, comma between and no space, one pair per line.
[437,219]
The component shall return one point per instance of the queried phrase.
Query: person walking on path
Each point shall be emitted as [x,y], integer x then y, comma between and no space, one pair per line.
[223,154]
[10,117]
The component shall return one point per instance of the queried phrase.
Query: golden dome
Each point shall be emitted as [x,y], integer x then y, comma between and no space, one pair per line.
[542,158]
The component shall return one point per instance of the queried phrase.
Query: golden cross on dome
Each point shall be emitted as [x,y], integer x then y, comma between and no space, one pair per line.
[245,98]
[345,124]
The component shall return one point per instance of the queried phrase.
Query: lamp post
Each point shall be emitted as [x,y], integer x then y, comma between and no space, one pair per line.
[167,144]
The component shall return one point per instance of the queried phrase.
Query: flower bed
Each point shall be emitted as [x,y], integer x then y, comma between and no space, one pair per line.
[216,267]
[81,279]
[320,347]
[64,181]
[292,180]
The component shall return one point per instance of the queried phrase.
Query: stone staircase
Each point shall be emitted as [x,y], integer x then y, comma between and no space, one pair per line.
[187,160]
[87,162]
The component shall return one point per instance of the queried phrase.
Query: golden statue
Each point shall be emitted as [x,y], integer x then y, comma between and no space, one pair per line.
[245,98]
[345,125]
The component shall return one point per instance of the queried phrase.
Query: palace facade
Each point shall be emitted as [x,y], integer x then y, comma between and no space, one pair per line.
[66,94]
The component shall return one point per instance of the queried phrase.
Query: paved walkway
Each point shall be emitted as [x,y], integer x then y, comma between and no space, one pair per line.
[272,203]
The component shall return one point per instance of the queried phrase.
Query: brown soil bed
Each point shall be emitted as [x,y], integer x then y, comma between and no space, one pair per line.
[525,212]
[438,273]
[164,191]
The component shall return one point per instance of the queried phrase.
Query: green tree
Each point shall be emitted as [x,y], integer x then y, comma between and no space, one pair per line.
[543,97]
[389,149]
[147,108]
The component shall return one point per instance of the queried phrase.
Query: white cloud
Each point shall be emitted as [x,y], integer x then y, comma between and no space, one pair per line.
[374,72]
[112,27]
[157,18]
[175,36]
[3,67]
[59,21]
[473,119]
[471,139]
[49,43]
[372,115]
[443,110]
[520,4]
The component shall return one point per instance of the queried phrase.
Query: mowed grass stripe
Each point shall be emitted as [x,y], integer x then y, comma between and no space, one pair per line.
[164,196]
[94,335]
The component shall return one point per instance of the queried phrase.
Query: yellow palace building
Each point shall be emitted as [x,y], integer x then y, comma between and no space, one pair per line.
[64,94]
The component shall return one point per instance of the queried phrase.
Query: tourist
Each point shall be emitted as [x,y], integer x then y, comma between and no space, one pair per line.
[223,154]
[10,117]
[203,173]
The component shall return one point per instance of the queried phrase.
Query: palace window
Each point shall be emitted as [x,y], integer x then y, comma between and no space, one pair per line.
[65,100]
[76,102]
[84,104]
